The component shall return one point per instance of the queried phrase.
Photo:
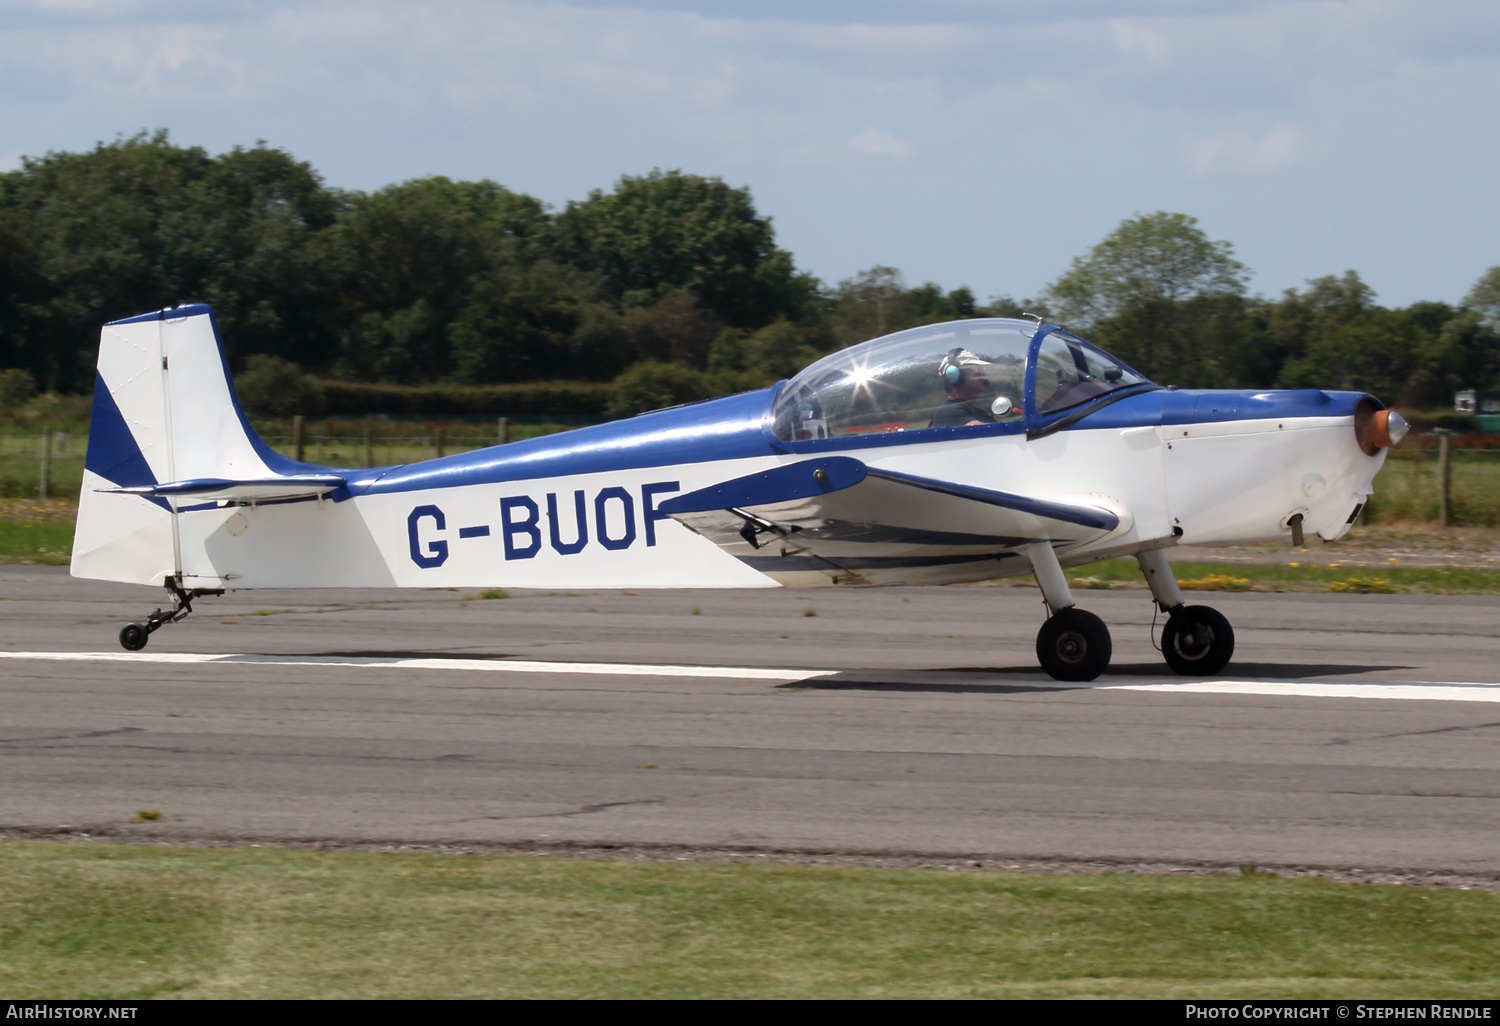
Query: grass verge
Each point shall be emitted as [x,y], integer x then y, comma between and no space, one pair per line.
[109,921]
[1299,576]
[36,541]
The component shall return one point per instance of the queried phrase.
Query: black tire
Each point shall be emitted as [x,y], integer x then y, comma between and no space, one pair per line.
[1074,645]
[133,637]
[1197,641]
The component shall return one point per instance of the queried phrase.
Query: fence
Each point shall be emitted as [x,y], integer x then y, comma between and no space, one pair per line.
[1451,480]
[50,465]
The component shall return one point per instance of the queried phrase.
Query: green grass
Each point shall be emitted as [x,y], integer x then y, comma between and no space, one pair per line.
[1408,487]
[20,475]
[36,541]
[102,921]
[1305,576]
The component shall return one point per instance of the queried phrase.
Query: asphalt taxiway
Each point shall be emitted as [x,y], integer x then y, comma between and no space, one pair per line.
[1350,731]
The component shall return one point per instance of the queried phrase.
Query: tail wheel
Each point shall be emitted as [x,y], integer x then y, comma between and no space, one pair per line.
[1197,641]
[1074,645]
[133,637]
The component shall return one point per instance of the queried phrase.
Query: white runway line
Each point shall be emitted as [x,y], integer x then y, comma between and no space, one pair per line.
[396,663]
[1441,691]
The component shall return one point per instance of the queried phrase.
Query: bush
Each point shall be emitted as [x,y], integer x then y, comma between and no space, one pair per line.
[273,387]
[652,386]
[17,388]
[357,398]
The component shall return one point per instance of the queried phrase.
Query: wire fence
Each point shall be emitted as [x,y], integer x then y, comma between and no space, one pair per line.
[1418,482]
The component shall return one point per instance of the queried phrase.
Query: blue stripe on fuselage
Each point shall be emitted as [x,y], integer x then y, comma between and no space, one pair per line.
[720,429]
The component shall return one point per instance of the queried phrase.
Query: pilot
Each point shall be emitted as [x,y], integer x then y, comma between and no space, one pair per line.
[965,378]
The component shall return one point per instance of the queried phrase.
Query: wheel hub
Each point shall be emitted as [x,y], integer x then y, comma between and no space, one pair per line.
[1072,646]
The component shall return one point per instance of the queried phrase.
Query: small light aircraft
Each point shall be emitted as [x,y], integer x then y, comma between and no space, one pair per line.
[963,451]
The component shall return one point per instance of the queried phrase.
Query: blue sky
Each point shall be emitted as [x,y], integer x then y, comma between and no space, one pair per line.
[968,142]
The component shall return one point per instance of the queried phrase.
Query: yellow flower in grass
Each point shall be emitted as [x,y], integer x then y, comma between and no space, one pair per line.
[1216,582]
[1364,586]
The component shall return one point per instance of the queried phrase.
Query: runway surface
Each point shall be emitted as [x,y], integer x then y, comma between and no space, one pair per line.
[1351,731]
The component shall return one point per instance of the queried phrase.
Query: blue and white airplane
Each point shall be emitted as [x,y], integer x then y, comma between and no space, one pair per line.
[963,451]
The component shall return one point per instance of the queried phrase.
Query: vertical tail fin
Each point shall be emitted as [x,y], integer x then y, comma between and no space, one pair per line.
[164,411]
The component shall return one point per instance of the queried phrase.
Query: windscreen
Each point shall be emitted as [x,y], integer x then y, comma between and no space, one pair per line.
[941,375]
[1070,371]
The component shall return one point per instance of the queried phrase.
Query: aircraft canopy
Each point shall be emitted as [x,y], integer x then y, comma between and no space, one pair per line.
[946,375]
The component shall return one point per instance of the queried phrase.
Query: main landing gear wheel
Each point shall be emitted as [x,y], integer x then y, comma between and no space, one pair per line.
[1073,645]
[1197,641]
[133,637]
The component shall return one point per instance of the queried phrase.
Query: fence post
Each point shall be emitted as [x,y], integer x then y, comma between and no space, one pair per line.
[504,430]
[46,481]
[1445,476]
[297,437]
[442,438]
[369,448]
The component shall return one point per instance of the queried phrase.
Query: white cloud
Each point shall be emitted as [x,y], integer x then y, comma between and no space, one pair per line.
[876,142]
[1239,153]
[1134,39]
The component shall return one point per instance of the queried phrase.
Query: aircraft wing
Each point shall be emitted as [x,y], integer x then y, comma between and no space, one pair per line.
[837,519]
[216,489]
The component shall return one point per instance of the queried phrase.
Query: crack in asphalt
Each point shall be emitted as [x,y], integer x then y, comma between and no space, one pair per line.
[584,811]
[70,737]
[1417,733]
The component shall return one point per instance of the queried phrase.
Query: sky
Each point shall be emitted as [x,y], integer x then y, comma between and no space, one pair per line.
[984,143]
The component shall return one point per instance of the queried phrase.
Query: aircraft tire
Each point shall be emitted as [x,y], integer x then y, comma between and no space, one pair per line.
[133,637]
[1197,641]
[1073,645]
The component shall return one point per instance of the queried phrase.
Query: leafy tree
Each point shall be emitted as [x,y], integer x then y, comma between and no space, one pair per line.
[273,387]
[139,224]
[667,232]
[672,329]
[1484,298]
[411,258]
[17,388]
[752,360]
[24,293]
[1160,294]
[1150,259]
[1336,336]
[872,303]
[652,385]
[519,326]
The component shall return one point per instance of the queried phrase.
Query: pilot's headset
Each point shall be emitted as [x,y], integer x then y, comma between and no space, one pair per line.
[952,370]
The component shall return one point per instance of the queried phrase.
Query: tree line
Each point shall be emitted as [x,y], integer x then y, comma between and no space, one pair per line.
[670,285]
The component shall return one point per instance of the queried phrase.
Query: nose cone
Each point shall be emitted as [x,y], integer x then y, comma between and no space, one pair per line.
[1377,428]
[1396,428]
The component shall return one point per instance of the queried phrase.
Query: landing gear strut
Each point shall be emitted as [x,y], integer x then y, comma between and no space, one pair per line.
[1073,645]
[1197,640]
[133,636]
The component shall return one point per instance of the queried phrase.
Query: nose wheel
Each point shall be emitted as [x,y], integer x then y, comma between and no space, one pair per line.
[1197,641]
[1073,645]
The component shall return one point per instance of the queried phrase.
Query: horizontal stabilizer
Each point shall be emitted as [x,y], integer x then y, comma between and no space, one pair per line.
[217,489]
